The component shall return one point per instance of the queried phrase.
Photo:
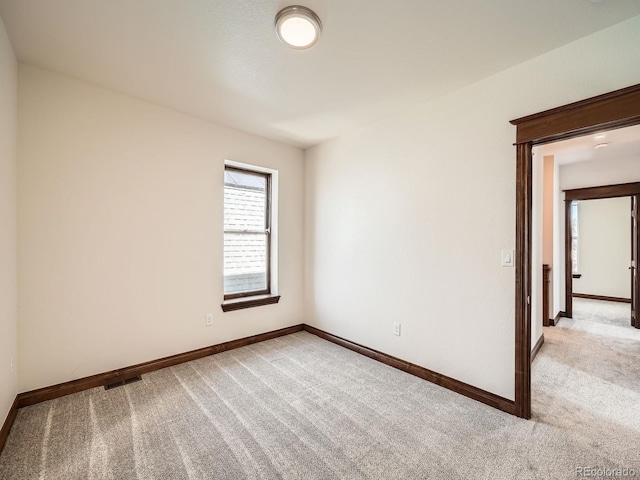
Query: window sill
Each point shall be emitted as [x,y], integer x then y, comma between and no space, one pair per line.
[249,302]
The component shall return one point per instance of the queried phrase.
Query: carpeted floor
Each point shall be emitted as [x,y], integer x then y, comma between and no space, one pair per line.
[298,407]
[602,312]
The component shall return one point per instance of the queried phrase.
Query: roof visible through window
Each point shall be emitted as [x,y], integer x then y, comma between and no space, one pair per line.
[237,178]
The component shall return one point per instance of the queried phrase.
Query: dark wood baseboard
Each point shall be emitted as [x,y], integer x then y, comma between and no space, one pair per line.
[554,321]
[8,423]
[449,383]
[537,347]
[101,379]
[601,297]
[49,393]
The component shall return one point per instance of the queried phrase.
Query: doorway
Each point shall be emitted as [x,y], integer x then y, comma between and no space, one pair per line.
[617,109]
[629,192]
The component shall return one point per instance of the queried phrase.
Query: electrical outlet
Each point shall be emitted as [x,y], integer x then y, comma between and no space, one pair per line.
[209,320]
[396,328]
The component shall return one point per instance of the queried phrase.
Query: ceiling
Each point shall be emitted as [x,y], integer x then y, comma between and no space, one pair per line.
[622,143]
[221,60]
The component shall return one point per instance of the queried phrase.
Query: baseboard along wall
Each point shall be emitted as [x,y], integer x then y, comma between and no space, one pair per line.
[554,321]
[123,374]
[8,423]
[101,379]
[605,298]
[449,383]
[537,347]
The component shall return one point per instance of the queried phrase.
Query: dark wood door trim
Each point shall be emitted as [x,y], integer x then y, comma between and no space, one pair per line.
[617,109]
[546,283]
[523,280]
[609,111]
[591,193]
[604,191]
[635,247]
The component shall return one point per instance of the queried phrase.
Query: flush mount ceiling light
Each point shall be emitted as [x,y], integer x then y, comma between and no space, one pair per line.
[298,27]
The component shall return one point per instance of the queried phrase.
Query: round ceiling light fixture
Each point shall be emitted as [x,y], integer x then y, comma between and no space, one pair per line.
[298,27]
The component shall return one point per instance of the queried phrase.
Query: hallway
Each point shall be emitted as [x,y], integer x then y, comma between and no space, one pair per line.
[586,379]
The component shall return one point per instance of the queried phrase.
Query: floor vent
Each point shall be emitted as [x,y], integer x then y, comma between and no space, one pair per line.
[122,382]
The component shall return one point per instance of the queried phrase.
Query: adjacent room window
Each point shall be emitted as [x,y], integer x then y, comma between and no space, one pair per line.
[247,238]
[574,237]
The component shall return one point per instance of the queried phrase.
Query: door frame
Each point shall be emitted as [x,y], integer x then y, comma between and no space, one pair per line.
[591,193]
[617,109]
[635,257]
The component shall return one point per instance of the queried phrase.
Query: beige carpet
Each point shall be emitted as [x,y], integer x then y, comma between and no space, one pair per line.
[596,312]
[299,407]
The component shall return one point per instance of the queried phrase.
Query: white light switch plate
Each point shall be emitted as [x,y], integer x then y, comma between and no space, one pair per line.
[507,257]
[396,328]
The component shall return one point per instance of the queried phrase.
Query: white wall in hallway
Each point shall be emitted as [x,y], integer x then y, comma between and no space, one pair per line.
[548,219]
[537,241]
[599,172]
[604,247]
[8,226]
[558,245]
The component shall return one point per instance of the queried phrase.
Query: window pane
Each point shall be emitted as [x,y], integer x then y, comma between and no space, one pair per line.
[575,233]
[238,178]
[245,201]
[245,262]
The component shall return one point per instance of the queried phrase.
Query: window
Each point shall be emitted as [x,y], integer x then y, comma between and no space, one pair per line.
[574,237]
[247,238]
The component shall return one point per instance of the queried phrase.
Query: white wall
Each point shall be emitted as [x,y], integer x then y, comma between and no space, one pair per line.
[604,247]
[557,273]
[537,242]
[599,172]
[120,230]
[8,229]
[547,224]
[406,218]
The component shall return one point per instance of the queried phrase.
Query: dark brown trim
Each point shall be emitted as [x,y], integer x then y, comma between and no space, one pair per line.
[635,254]
[8,423]
[612,110]
[605,298]
[546,285]
[449,383]
[589,193]
[523,280]
[101,379]
[249,302]
[537,347]
[554,321]
[617,109]
[604,191]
